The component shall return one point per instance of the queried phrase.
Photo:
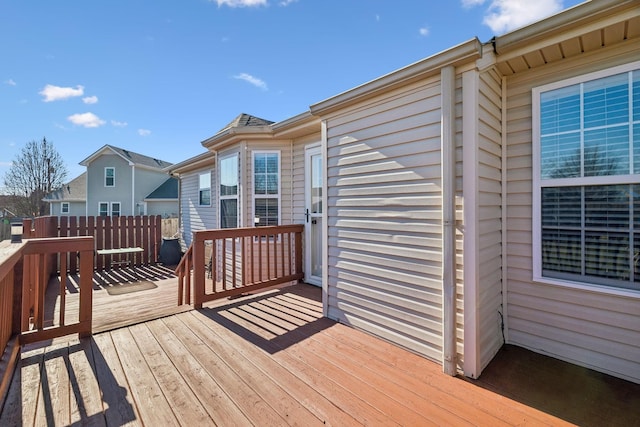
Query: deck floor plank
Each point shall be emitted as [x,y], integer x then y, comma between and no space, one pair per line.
[86,402]
[118,404]
[270,358]
[413,365]
[220,409]
[346,400]
[183,401]
[150,401]
[247,400]
[277,397]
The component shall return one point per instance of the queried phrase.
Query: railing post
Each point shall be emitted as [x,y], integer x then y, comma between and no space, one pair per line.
[198,271]
[298,252]
[86,292]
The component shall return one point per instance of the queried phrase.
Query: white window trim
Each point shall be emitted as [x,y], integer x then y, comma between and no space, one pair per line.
[200,174]
[105,176]
[111,208]
[62,206]
[536,224]
[255,196]
[108,208]
[236,196]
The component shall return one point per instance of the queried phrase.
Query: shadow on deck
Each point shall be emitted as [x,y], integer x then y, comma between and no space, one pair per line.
[271,359]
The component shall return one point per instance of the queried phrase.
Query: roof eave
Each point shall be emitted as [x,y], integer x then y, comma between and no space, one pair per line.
[562,22]
[302,124]
[462,53]
[233,135]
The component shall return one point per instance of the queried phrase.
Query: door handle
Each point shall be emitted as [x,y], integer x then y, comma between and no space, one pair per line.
[306,214]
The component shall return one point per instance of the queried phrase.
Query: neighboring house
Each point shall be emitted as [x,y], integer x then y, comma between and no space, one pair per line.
[119,180]
[487,194]
[70,199]
[163,200]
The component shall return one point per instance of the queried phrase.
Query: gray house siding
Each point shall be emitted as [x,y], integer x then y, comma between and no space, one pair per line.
[193,216]
[96,190]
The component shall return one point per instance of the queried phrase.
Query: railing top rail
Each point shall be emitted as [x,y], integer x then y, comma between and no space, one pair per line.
[225,233]
[10,254]
[59,244]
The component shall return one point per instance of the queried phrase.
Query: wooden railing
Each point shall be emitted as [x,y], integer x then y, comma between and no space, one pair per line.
[24,275]
[230,262]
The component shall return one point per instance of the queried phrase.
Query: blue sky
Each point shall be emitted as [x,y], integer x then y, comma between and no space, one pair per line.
[158,77]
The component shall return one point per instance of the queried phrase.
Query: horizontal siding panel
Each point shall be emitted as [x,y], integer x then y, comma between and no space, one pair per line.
[390,226]
[412,313]
[573,319]
[391,262]
[347,316]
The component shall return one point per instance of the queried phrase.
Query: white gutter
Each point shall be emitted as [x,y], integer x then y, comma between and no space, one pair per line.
[448,152]
[470,102]
[504,195]
[133,190]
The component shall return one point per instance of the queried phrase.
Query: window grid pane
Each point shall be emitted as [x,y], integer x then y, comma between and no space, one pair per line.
[591,233]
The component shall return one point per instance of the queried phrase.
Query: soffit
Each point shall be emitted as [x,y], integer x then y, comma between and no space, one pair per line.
[581,30]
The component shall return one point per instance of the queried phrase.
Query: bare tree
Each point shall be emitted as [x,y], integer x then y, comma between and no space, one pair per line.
[36,171]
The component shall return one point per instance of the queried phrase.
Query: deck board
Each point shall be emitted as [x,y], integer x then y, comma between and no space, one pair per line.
[263,359]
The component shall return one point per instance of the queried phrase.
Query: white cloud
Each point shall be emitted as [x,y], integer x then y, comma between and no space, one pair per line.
[144,132]
[56,93]
[252,80]
[90,99]
[471,3]
[424,31]
[287,2]
[506,15]
[87,120]
[118,124]
[241,3]
[10,82]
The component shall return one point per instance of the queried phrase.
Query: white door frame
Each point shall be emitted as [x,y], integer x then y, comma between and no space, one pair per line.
[309,151]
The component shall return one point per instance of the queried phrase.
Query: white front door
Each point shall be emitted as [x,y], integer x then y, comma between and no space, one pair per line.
[313,216]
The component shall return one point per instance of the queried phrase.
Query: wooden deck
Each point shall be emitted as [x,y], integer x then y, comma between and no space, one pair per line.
[265,359]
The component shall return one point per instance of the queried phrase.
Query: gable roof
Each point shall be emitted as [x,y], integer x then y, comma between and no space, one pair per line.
[166,190]
[74,191]
[135,159]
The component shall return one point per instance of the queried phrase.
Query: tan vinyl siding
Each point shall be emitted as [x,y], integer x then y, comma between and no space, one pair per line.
[489,220]
[384,218]
[195,217]
[587,327]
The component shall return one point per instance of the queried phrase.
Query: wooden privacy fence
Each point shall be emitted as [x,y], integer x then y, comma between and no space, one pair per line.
[109,233]
[230,262]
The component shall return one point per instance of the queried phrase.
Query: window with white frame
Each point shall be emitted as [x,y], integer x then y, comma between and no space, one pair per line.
[204,189]
[103,209]
[587,179]
[229,180]
[109,208]
[266,188]
[109,177]
[64,208]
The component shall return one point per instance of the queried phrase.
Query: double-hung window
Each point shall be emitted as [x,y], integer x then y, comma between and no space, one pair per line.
[266,188]
[586,170]
[204,192]
[229,179]
[64,208]
[109,177]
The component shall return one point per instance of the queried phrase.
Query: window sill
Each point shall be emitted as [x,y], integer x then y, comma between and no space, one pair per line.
[592,288]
